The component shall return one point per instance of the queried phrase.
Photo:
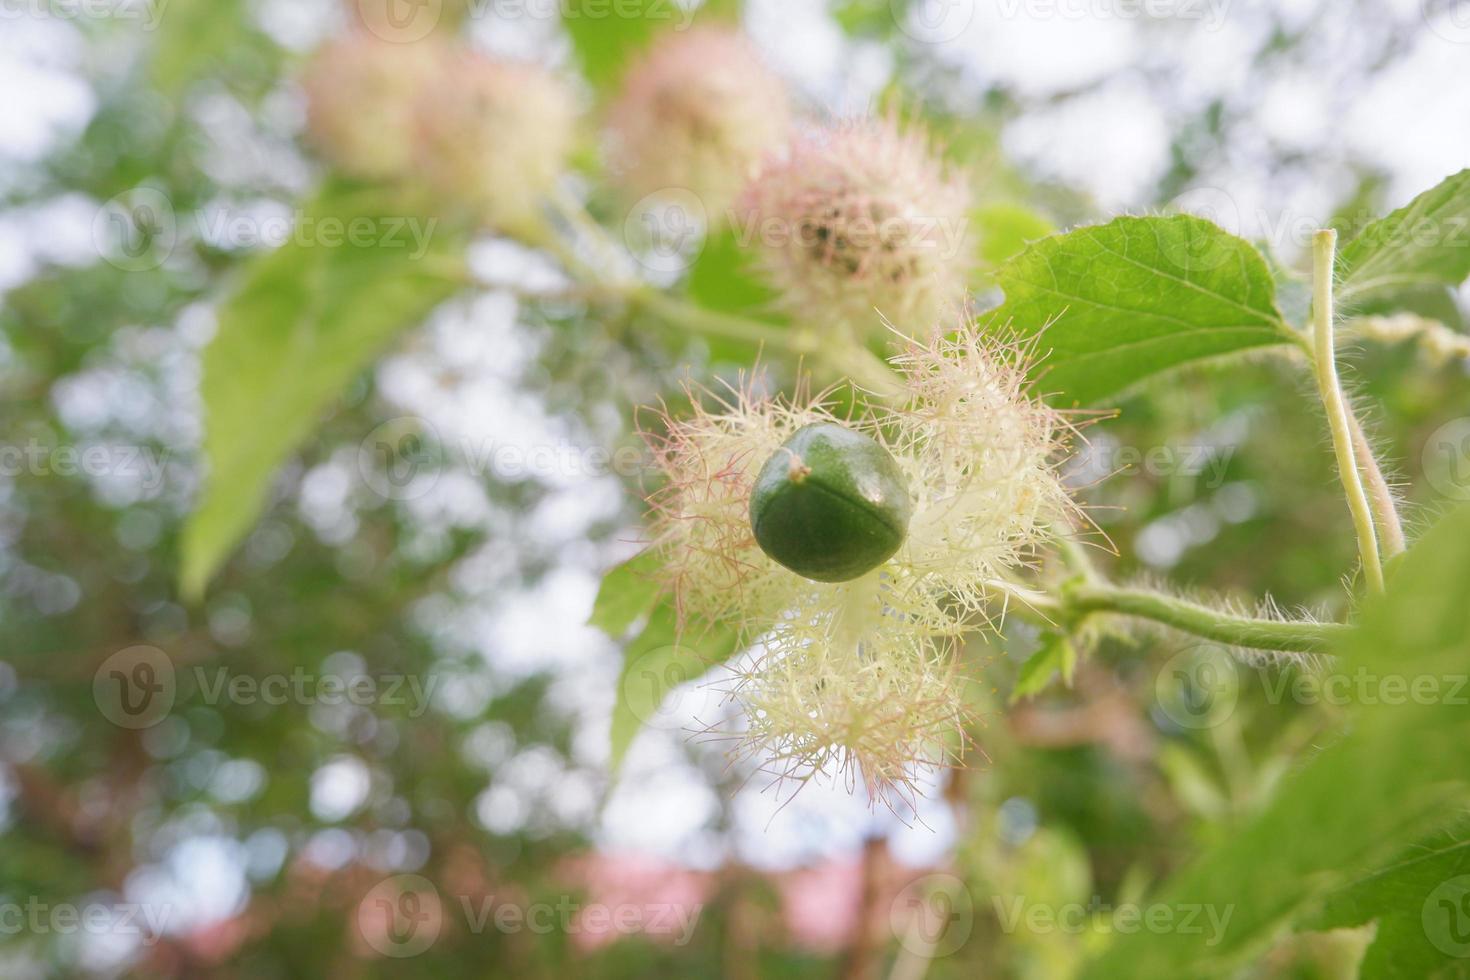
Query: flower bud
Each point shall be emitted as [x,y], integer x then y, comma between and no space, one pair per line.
[858,222]
[361,94]
[698,113]
[495,138]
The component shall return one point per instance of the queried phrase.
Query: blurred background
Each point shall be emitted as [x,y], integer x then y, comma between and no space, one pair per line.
[395,680]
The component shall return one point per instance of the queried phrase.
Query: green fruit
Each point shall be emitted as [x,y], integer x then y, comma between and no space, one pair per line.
[830,504]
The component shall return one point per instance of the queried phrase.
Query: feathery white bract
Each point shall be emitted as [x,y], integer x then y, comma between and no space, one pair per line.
[861,676]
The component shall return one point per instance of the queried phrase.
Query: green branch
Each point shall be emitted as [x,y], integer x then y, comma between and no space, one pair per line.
[1202,621]
[1324,250]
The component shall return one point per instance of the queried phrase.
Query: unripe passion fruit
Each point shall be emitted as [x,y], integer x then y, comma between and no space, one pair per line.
[830,504]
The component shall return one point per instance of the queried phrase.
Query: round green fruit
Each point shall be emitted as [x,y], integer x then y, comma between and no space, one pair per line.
[830,504]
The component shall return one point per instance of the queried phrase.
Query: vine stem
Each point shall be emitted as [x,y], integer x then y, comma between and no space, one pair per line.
[1385,509]
[1084,598]
[858,363]
[1324,251]
[1204,622]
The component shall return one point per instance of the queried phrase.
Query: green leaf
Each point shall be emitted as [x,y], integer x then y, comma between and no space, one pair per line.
[655,664]
[305,320]
[1425,242]
[1057,655]
[1006,228]
[724,278]
[1397,774]
[1116,303]
[1407,900]
[627,594]
[607,35]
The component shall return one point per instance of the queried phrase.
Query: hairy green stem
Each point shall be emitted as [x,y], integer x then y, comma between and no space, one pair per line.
[1385,508]
[709,322]
[1202,621]
[1324,250]
[861,365]
[1080,598]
